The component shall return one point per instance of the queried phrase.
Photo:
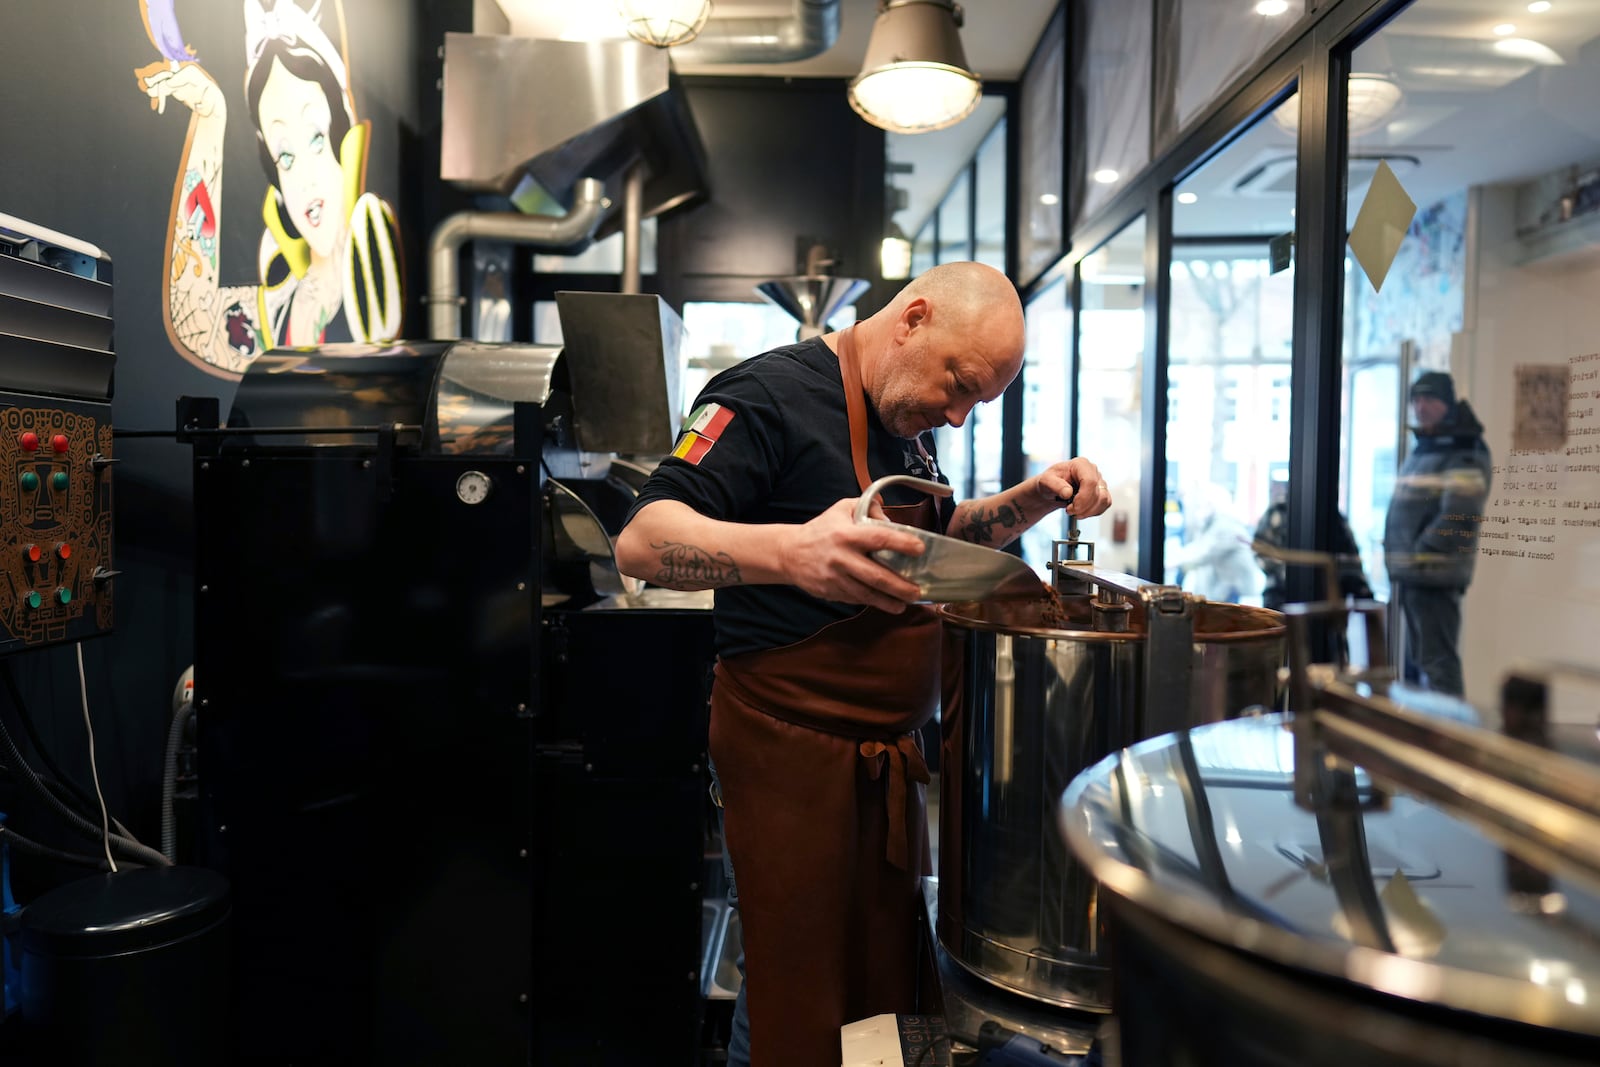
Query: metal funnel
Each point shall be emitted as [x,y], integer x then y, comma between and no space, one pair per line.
[812,299]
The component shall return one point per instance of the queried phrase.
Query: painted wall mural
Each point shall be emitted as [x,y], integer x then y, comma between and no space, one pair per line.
[328,266]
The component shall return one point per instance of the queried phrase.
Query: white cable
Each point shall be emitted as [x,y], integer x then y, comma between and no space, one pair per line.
[94,771]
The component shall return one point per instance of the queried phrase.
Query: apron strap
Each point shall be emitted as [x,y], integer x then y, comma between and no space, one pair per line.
[903,757]
[855,403]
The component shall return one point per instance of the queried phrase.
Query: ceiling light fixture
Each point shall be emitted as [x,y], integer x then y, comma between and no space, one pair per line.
[915,78]
[1370,100]
[1105,176]
[1505,29]
[664,23]
[1271,8]
[1187,198]
[894,254]
[1539,7]
[1532,51]
[1049,199]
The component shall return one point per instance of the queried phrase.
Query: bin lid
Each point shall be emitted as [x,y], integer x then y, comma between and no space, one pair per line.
[124,912]
[1398,894]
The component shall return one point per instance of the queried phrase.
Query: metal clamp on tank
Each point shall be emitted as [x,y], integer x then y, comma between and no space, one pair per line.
[1513,781]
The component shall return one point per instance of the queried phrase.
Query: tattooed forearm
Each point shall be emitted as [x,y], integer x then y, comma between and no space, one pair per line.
[977,523]
[688,567]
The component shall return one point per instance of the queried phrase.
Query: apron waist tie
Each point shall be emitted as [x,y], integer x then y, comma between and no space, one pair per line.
[903,757]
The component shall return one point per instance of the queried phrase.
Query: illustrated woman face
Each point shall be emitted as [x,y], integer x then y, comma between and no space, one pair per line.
[295,117]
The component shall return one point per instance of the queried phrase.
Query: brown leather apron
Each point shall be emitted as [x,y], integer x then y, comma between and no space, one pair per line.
[822,784]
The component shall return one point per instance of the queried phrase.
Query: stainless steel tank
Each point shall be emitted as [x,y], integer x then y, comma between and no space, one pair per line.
[1046,689]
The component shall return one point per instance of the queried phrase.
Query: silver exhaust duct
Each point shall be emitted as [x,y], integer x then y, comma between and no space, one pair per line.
[809,31]
[444,247]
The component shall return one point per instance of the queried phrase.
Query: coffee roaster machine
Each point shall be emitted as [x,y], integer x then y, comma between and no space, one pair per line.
[452,762]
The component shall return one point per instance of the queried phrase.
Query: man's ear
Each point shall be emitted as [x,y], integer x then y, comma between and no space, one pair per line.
[915,314]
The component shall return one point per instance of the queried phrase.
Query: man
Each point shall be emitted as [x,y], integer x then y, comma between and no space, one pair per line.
[1430,538]
[826,670]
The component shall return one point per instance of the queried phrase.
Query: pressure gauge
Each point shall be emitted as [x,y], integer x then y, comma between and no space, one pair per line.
[473,487]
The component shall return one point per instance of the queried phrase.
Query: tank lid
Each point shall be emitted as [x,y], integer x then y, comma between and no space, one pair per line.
[124,912]
[1398,894]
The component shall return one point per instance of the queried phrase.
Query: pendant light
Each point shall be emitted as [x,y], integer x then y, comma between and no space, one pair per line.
[915,77]
[664,23]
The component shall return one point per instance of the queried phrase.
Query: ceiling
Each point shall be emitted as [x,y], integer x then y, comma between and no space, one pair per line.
[998,39]
[1470,112]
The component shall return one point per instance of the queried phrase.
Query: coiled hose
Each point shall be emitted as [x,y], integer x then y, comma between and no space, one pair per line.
[126,847]
[34,848]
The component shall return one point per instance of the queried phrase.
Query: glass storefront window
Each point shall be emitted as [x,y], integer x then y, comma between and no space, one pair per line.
[721,333]
[1111,357]
[1041,181]
[955,220]
[1231,328]
[1216,41]
[922,246]
[990,168]
[1470,468]
[1113,71]
[1046,429]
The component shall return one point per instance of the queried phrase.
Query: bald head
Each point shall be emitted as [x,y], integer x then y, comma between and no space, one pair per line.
[972,295]
[951,339]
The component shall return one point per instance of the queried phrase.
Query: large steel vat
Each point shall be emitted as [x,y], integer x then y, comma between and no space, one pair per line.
[1046,689]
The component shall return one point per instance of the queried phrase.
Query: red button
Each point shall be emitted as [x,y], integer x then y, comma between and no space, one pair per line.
[29,441]
[64,550]
[31,553]
[59,442]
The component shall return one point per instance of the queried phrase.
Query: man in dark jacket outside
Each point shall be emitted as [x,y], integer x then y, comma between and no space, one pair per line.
[1431,537]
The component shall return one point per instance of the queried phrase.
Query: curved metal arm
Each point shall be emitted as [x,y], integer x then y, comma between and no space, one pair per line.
[864,504]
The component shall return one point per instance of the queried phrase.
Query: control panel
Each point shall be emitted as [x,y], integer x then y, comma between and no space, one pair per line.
[55,520]
[56,363]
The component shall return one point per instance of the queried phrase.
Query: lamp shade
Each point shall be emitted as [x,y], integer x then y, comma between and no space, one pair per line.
[915,77]
[1372,99]
[664,23]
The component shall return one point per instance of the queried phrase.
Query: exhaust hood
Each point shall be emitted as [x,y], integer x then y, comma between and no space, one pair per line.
[555,112]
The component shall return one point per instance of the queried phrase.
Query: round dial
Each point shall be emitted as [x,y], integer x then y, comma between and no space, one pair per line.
[473,487]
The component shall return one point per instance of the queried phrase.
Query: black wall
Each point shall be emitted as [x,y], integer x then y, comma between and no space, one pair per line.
[787,159]
[86,155]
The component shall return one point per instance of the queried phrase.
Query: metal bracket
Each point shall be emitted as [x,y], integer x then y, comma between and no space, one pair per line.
[1168,658]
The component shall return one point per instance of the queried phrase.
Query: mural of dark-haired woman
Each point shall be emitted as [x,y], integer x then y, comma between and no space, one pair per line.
[328,267]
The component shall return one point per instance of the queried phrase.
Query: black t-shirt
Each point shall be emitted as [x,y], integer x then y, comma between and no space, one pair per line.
[777,449]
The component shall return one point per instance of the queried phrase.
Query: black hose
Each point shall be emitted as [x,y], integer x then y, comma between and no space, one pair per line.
[169,780]
[83,802]
[34,848]
[126,847]
[67,795]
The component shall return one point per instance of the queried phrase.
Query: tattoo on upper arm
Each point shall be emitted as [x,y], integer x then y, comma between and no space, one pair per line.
[689,567]
[979,523]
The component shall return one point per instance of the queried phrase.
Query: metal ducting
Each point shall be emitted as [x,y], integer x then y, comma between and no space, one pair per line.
[517,108]
[810,30]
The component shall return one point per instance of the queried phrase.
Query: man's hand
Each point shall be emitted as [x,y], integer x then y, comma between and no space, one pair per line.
[830,557]
[1077,485]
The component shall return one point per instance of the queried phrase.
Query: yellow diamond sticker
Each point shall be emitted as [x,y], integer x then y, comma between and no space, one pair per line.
[1381,225]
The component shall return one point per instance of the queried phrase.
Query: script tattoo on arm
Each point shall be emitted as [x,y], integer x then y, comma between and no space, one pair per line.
[688,567]
[978,524]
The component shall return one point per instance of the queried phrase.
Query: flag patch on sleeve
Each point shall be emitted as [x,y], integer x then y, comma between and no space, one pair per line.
[703,429]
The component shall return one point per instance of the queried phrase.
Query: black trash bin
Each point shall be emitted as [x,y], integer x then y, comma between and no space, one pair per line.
[128,968]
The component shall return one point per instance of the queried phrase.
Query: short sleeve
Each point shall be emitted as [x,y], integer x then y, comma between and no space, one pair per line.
[729,453]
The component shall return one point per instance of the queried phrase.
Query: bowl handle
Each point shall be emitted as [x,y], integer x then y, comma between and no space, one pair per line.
[864,504]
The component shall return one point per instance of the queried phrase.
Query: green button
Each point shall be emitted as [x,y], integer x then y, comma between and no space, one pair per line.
[33,600]
[60,479]
[63,594]
[30,481]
